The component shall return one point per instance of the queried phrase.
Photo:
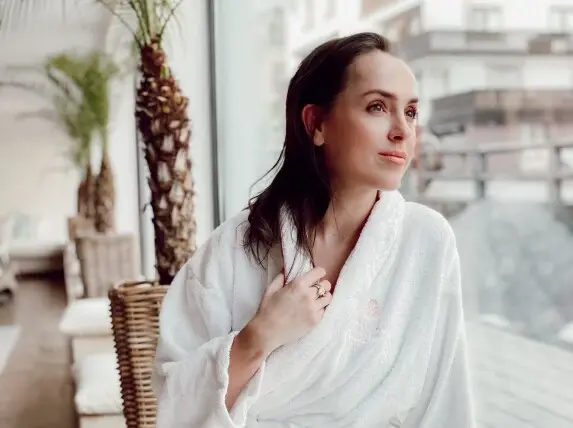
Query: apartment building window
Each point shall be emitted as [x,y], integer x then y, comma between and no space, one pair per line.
[485,18]
[561,19]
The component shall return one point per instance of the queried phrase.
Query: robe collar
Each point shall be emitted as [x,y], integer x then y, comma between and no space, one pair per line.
[370,259]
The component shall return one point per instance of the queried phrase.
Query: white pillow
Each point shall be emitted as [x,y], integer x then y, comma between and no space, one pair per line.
[87,317]
[98,389]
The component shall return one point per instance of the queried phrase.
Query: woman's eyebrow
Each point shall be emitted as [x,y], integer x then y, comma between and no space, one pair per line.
[387,94]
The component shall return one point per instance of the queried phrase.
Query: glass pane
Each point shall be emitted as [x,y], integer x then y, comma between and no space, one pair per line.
[517,260]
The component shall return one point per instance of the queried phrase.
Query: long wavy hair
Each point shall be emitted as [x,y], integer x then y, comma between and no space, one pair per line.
[301,184]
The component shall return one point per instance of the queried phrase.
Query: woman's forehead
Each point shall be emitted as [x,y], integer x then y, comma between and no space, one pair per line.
[383,72]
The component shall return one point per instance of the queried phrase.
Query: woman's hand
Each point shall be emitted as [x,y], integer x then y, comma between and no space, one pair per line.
[288,312]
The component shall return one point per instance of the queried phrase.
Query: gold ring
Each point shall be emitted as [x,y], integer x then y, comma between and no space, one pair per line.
[320,290]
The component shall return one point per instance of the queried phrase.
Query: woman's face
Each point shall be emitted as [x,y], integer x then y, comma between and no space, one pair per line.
[369,136]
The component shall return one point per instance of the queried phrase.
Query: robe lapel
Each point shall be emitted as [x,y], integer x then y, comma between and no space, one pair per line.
[370,259]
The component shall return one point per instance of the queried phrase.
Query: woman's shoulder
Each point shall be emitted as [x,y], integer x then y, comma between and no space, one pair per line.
[229,233]
[428,225]
[220,251]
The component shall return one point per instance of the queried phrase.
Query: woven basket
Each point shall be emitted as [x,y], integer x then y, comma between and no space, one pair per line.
[135,320]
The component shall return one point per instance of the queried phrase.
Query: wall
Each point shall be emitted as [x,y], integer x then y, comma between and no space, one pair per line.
[34,175]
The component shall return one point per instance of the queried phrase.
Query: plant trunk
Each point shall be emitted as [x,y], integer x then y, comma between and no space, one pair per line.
[85,202]
[82,200]
[104,197]
[161,111]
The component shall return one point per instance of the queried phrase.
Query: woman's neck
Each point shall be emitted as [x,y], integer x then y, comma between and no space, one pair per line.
[346,215]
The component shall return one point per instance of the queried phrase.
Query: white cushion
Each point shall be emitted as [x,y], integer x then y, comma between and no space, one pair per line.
[98,389]
[83,346]
[102,421]
[87,317]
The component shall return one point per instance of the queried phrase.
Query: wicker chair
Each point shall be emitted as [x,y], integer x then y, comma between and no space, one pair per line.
[135,320]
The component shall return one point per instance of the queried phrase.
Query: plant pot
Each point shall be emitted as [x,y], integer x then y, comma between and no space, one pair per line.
[105,260]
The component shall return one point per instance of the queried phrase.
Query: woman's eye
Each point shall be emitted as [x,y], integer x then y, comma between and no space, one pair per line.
[376,107]
[412,113]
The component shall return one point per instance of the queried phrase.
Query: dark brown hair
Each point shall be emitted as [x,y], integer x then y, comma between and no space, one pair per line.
[301,184]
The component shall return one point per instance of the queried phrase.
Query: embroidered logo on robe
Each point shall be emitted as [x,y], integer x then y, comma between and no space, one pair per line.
[366,325]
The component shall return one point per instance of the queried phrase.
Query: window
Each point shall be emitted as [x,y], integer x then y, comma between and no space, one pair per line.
[485,18]
[251,85]
[503,76]
[561,19]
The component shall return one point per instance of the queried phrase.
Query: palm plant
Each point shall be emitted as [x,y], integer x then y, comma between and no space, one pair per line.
[90,75]
[79,91]
[94,85]
[162,120]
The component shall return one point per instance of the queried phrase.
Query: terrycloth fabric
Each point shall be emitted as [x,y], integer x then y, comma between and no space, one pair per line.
[389,352]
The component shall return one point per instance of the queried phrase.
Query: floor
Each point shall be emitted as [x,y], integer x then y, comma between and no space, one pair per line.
[36,389]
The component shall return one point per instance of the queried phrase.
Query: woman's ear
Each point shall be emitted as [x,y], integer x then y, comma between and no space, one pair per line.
[313,124]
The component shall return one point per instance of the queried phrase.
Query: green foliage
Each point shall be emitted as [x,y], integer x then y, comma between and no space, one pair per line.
[151,17]
[90,77]
[79,90]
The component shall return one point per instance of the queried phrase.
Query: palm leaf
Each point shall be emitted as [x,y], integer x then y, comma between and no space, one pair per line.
[78,87]
[150,18]
[47,82]
[32,87]
[49,115]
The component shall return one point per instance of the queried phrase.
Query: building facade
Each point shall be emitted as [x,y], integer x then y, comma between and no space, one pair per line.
[488,70]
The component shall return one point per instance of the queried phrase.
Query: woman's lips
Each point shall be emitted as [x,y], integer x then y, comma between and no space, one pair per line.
[399,158]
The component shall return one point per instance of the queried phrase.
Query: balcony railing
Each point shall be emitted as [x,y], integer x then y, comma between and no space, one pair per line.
[554,176]
[501,106]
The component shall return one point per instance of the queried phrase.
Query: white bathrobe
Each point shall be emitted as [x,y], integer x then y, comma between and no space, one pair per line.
[389,352]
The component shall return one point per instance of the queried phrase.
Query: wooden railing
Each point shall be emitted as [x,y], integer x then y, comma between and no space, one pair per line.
[554,175]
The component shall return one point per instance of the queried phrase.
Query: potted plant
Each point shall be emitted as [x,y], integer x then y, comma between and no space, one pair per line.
[78,87]
[164,126]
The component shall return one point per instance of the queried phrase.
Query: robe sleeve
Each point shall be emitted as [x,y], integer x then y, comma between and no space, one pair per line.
[446,399]
[192,360]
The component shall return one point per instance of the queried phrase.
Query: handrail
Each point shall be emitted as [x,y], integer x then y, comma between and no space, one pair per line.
[477,172]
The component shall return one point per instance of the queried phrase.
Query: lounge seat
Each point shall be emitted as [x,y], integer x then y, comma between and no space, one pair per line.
[88,324]
[98,395]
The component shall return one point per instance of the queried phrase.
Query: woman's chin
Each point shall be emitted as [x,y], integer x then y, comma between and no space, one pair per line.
[389,184]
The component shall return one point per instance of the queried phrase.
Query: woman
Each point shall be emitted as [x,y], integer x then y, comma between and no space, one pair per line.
[330,302]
